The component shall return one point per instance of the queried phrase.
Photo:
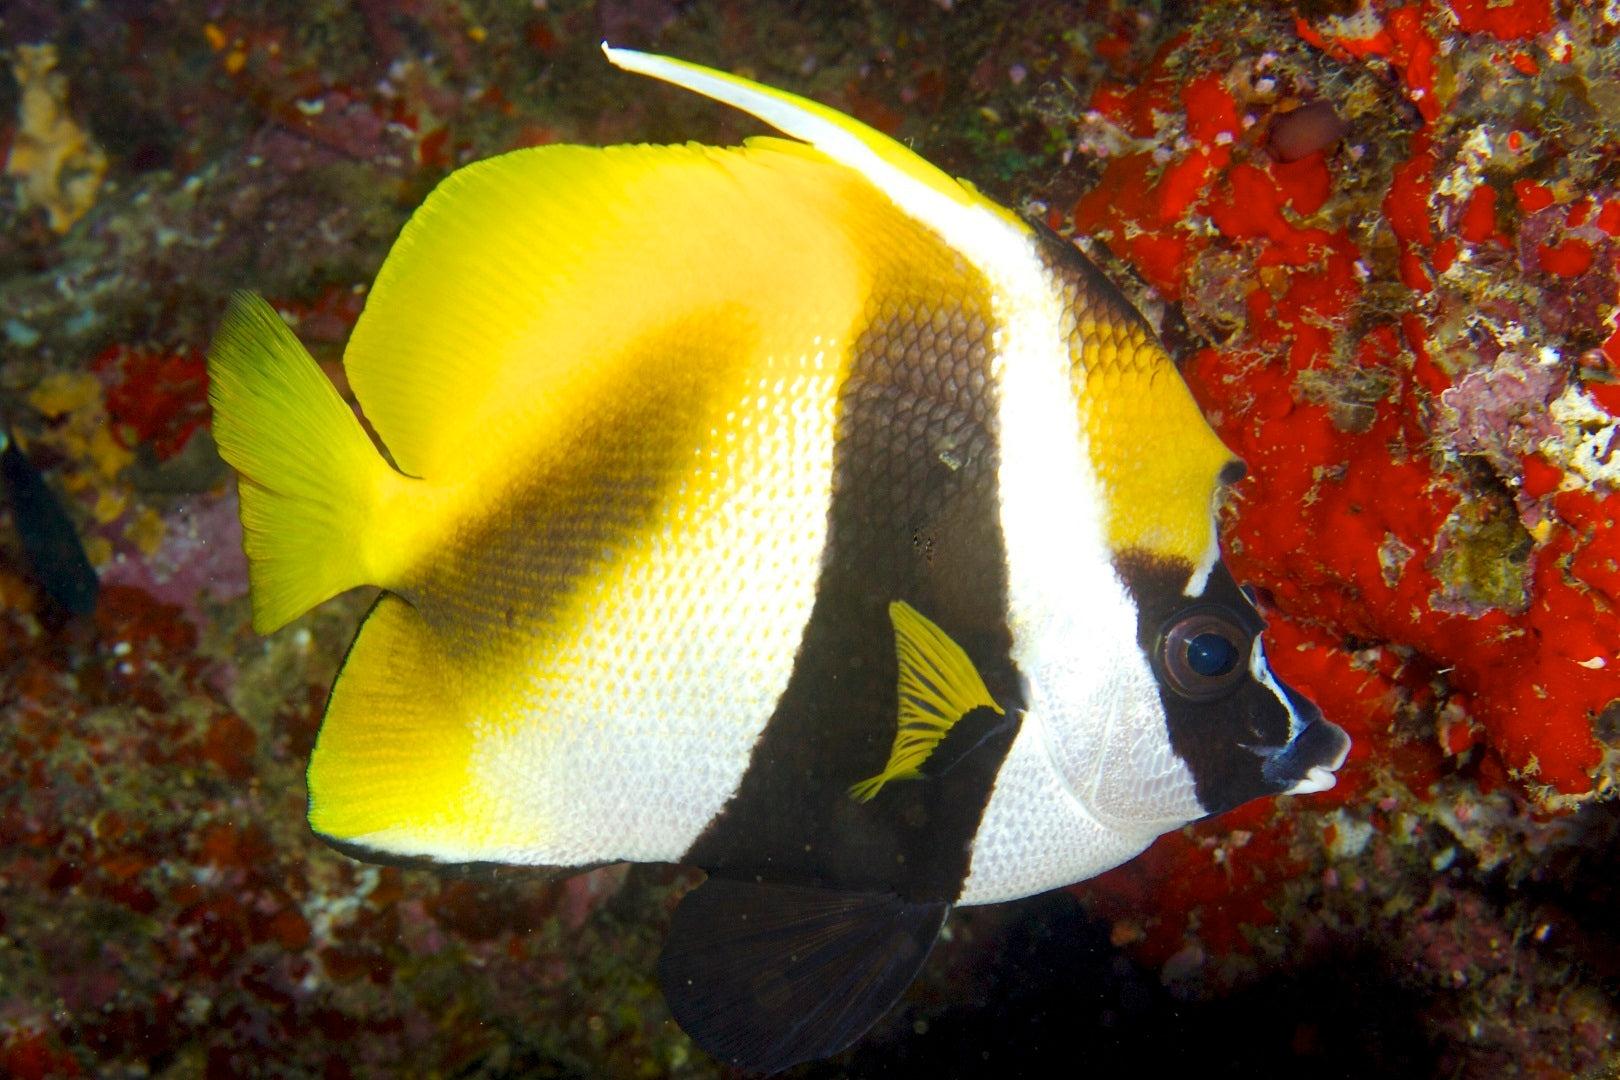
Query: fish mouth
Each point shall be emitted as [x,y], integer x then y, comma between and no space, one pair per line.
[1308,764]
[1319,778]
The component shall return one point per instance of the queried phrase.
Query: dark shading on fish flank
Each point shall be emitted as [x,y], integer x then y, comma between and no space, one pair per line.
[597,490]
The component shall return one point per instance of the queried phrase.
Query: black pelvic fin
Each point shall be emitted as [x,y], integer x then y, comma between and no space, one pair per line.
[766,976]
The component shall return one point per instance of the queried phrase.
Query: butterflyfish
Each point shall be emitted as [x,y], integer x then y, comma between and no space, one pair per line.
[790,510]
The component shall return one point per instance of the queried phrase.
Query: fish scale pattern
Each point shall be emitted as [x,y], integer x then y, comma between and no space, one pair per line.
[914,494]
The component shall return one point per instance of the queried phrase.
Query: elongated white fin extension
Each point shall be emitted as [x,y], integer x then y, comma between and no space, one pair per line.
[917,187]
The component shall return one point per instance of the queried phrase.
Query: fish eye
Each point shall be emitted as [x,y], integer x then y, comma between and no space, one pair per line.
[1211,654]
[1203,654]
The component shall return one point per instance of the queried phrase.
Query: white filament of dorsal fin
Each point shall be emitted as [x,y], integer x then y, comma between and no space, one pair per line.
[918,188]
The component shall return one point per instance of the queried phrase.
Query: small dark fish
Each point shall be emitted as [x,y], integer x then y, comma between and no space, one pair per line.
[50,543]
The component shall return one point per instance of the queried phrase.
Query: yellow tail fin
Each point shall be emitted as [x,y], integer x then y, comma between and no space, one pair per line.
[311,480]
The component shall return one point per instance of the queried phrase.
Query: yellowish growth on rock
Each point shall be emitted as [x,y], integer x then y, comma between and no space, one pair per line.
[109,456]
[92,458]
[72,401]
[99,550]
[56,164]
[146,531]
[110,504]
[64,392]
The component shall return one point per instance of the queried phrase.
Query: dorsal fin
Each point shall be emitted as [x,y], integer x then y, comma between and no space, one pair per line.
[918,187]
[524,283]
[886,162]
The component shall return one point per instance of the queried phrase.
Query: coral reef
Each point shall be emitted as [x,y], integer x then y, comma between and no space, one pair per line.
[1408,334]
[1384,238]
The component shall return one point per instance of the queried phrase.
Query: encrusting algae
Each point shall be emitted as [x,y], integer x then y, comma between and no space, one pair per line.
[58,165]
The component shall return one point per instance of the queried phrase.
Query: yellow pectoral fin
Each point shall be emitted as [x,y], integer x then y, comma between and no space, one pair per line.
[938,686]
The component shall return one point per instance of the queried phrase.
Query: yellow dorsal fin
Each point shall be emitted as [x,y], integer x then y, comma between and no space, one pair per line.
[938,686]
[913,183]
[520,280]
[521,286]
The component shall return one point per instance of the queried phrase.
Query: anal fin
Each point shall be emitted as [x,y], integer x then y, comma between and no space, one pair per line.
[766,976]
[388,775]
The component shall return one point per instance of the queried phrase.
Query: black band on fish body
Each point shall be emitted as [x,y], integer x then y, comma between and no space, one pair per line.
[916,456]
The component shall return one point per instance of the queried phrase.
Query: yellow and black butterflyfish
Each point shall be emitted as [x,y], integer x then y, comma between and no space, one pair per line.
[789,510]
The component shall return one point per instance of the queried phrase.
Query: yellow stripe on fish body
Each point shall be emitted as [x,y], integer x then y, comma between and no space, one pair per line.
[1160,501]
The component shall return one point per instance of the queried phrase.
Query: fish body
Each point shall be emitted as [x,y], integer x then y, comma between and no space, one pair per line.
[792,511]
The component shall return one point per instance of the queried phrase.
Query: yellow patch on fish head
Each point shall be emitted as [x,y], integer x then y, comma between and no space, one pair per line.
[1158,461]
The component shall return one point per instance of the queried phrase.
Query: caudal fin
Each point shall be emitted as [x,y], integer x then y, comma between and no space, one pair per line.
[311,480]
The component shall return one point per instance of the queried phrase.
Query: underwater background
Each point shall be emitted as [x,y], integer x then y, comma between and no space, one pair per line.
[1384,239]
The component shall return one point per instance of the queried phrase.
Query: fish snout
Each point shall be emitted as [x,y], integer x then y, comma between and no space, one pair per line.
[1308,761]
